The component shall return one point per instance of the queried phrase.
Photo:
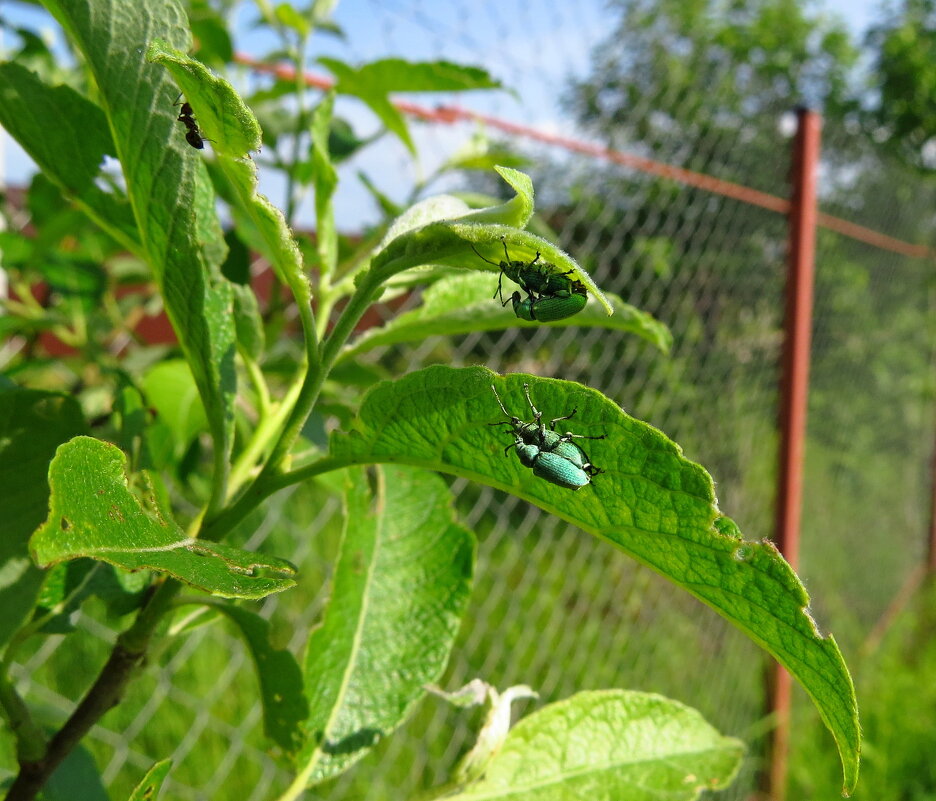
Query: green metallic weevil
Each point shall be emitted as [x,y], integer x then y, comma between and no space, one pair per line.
[552,456]
[551,295]
[547,308]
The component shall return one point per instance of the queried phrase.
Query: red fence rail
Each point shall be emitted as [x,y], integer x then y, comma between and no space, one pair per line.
[804,219]
[450,115]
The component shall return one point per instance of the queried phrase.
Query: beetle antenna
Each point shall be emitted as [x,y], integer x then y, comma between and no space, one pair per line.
[482,257]
[569,436]
[537,415]
[499,403]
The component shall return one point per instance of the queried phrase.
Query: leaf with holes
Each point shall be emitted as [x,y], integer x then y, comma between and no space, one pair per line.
[93,513]
[150,784]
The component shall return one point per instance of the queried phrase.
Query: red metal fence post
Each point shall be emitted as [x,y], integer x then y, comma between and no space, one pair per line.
[794,392]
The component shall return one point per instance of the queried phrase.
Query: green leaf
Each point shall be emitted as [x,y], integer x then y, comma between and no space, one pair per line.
[609,744]
[461,304]
[480,154]
[93,513]
[417,219]
[33,424]
[151,783]
[373,82]
[651,502]
[210,31]
[343,142]
[67,585]
[430,210]
[262,225]
[248,321]
[515,212]
[389,207]
[400,589]
[75,278]
[224,116]
[64,589]
[78,777]
[170,389]
[236,267]
[326,181]
[458,244]
[281,691]
[68,138]
[167,186]
[220,113]
[398,75]
[131,419]
[288,16]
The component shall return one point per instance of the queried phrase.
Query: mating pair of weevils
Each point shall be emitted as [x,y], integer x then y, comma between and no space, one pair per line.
[552,456]
[550,296]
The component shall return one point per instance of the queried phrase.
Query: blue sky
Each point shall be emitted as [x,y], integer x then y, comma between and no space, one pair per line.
[533,47]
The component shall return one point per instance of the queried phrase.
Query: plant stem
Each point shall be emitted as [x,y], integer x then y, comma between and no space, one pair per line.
[258,382]
[30,741]
[259,491]
[308,392]
[261,438]
[106,692]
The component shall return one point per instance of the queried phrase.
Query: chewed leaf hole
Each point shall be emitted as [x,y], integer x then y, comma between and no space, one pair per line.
[743,553]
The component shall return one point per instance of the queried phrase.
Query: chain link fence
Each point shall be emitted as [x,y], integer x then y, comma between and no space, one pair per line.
[552,607]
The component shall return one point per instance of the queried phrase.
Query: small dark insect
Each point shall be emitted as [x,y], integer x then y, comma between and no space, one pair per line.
[187,118]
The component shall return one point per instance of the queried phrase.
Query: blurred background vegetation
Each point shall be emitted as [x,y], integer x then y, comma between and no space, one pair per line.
[706,85]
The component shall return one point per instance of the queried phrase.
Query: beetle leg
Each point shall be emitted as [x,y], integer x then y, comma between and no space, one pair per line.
[500,291]
[569,436]
[588,467]
[552,423]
